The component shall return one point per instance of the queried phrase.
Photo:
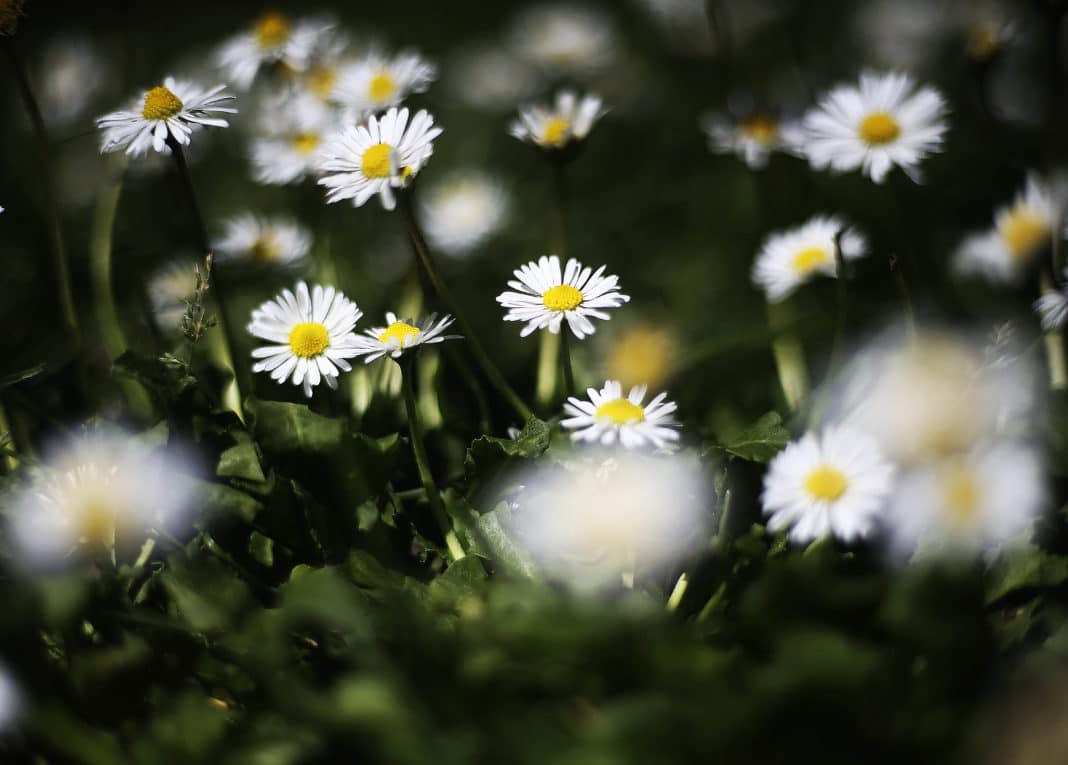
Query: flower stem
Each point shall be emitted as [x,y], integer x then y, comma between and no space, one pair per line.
[677,592]
[100,260]
[565,362]
[789,356]
[445,295]
[422,463]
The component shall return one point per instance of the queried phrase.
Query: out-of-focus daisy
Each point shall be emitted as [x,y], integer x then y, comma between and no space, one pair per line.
[378,157]
[752,137]
[901,34]
[378,81]
[684,25]
[272,38]
[168,290]
[10,10]
[310,334]
[463,210]
[569,120]
[883,121]
[564,37]
[72,71]
[790,258]
[401,335]
[606,415]
[970,502]
[176,108]
[835,482]
[488,77]
[273,241]
[98,490]
[641,355]
[291,128]
[544,297]
[1052,307]
[593,521]
[988,30]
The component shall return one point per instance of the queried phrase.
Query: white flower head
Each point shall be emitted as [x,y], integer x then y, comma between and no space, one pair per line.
[169,287]
[377,81]
[606,415]
[272,38]
[376,158]
[291,129]
[1052,308]
[73,72]
[463,210]
[564,37]
[310,334]
[608,514]
[883,121]
[791,258]
[274,241]
[487,77]
[176,109]
[567,121]
[104,490]
[834,482]
[752,138]
[400,336]
[544,297]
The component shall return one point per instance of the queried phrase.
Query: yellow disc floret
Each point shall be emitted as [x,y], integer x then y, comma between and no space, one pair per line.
[400,331]
[826,482]
[161,104]
[378,161]
[1023,231]
[641,356]
[557,131]
[960,494]
[563,297]
[620,411]
[272,30]
[305,143]
[760,128]
[308,339]
[321,80]
[879,128]
[382,87]
[810,258]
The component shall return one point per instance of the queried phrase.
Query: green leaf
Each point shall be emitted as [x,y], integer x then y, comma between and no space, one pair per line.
[488,456]
[757,443]
[499,544]
[240,461]
[1024,568]
[166,382]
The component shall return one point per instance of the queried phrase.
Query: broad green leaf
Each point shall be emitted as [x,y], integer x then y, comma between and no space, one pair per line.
[759,442]
[1024,568]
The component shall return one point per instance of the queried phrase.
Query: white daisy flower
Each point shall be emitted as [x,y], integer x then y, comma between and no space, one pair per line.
[568,121]
[883,121]
[988,29]
[401,335]
[751,138]
[607,415]
[73,71]
[564,37]
[275,241]
[791,258]
[1052,308]
[291,129]
[831,483]
[310,334]
[100,490]
[970,502]
[168,290]
[378,81]
[544,297]
[273,38]
[378,157]
[175,108]
[463,210]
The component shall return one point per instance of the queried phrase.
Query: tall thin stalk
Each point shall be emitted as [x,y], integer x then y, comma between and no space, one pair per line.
[565,360]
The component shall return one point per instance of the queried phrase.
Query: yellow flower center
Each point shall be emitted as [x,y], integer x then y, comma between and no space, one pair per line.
[160,104]
[321,80]
[264,250]
[879,128]
[641,356]
[810,258]
[399,331]
[983,42]
[556,132]
[760,128]
[382,87]
[826,483]
[562,298]
[272,30]
[96,522]
[620,411]
[378,161]
[308,339]
[1023,232]
[305,143]
[960,493]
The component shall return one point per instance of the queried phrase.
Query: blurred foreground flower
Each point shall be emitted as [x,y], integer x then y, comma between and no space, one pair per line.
[311,335]
[273,38]
[378,81]
[568,121]
[10,699]
[269,241]
[608,416]
[169,287]
[1052,307]
[789,259]
[643,354]
[401,335]
[463,210]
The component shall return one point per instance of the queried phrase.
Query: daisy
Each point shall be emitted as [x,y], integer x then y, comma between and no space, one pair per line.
[568,121]
[310,334]
[752,138]
[378,157]
[1052,308]
[169,288]
[400,335]
[642,355]
[883,121]
[791,258]
[275,241]
[487,77]
[377,82]
[291,129]
[834,482]
[607,416]
[272,38]
[175,108]
[463,210]
[544,297]
[564,37]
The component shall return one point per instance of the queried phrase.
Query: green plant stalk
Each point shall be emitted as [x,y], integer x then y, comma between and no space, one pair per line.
[548,368]
[422,251]
[422,463]
[789,357]
[565,361]
[677,592]
[11,461]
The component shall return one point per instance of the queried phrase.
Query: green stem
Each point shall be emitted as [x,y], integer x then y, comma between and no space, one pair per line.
[422,463]
[560,211]
[677,592]
[789,356]
[565,361]
[548,367]
[100,244]
[481,357]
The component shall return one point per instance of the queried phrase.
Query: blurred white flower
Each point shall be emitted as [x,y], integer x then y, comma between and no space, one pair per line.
[275,241]
[791,258]
[169,287]
[463,210]
[569,120]
[1052,307]
[488,77]
[377,81]
[10,699]
[564,37]
[606,416]
[752,138]
[883,121]
[988,29]
[291,128]
[610,514]
[74,71]
[642,354]
[401,335]
[544,297]
[378,157]
[272,38]
[175,108]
